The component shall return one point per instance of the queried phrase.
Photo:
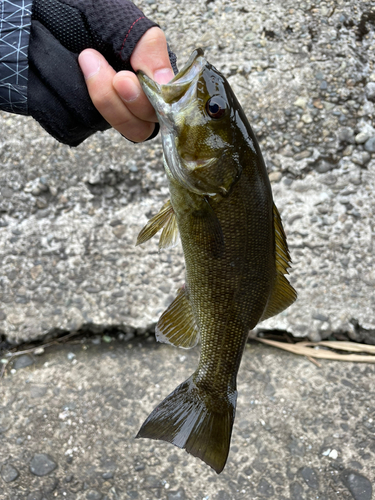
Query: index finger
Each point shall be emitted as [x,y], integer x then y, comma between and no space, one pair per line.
[99,76]
[151,56]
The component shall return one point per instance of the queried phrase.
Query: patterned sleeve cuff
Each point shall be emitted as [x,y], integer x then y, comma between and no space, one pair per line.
[15,21]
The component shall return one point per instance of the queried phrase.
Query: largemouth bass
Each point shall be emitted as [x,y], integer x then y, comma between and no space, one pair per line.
[234,246]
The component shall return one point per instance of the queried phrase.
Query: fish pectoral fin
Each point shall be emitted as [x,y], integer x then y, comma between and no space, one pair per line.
[166,219]
[207,231]
[187,419]
[177,325]
[283,294]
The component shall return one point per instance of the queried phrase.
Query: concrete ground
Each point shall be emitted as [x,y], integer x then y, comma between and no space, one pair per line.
[68,422]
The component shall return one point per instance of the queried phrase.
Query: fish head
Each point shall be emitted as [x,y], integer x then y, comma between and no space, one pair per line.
[204,130]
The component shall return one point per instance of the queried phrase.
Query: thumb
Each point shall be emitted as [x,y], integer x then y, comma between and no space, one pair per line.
[151,56]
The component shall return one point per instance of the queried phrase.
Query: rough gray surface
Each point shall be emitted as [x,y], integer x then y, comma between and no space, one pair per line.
[304,72]
[301,432]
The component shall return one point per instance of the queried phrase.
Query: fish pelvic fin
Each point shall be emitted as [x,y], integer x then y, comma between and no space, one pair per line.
[165,219]
[283,294]
[190,419]
[177,325]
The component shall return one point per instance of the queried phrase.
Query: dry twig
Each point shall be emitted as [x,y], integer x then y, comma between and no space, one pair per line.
[14,353]
[308,349]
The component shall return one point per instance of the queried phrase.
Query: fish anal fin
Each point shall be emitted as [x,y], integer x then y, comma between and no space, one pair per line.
[165,218]
[283,294]
[188,420]
[177,325]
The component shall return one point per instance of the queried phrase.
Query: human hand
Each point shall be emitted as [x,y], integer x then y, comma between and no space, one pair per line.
[57,95]
[118,96]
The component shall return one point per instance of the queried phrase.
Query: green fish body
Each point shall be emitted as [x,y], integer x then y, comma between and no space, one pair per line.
[234,247]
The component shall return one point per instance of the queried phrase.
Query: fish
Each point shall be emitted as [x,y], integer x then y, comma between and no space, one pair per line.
[235,251]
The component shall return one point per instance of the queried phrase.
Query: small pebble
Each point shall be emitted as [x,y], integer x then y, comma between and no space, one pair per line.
[358,485]
[139,467]
[346,134]
[275,176]
[41,203]
[361,158]
[302,155]
[362,137]
[300,102]
[107,475]
[296,491]
[348,150]
[42,464]
[265,489]
[119,231]
[310,477]
[324,166]
[370,91]
[9,473]
[306,118]
[93,495]
[370,145]
[23,361]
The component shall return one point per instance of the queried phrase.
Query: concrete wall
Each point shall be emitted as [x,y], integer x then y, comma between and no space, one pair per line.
[304,73]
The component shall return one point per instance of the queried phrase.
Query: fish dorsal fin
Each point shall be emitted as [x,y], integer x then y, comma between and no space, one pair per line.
[283,294]
[166,219]
[177,325]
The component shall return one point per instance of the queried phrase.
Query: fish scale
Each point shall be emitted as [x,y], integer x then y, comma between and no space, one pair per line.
[234,247]
[233,288]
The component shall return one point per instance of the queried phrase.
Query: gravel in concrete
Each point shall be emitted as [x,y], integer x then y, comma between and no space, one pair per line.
[301,432]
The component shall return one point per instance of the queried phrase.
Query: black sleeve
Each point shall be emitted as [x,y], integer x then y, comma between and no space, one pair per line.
[113,27]
[54,90]
[15,22]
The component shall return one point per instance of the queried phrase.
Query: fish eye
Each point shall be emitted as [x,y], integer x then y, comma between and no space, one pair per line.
[216,107]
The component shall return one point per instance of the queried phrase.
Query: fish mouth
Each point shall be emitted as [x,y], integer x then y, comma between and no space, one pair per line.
[173,91]
[170,101]
[192,67]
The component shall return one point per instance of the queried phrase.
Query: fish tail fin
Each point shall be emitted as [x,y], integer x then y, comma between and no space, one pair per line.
[190,418]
